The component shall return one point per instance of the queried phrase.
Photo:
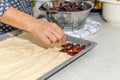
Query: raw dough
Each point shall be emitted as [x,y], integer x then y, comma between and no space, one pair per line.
[25,58]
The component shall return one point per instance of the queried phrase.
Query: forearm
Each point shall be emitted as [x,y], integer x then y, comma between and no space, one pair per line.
[18,19]
[43,30]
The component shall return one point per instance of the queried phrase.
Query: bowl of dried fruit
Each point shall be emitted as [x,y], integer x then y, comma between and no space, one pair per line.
[70,16]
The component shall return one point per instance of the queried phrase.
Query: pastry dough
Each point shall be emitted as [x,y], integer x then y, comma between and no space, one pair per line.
[25,58]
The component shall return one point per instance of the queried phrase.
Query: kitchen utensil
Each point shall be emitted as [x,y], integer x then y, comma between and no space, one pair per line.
[111,11]
[68,20]
[89,45]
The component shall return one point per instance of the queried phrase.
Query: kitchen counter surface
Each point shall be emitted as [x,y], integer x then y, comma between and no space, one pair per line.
[102,62]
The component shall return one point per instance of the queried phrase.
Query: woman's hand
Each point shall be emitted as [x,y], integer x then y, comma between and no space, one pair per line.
[48,32]
[43,30]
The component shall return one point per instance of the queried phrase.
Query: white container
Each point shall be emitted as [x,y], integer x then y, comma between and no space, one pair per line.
[111,11]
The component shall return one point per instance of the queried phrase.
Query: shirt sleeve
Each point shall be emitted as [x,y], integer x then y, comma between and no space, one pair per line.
[4,5]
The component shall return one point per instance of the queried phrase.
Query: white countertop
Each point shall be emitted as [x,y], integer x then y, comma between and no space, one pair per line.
[102,62]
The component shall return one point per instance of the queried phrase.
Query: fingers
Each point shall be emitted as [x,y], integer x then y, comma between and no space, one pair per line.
[52,37]
[49,36]
[49,33]
[64,41]
[58,33]
[44,39]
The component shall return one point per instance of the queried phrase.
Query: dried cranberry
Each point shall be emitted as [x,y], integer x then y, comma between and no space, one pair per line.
[72,49]
[76,48]
[69,6]
[72,53]
[67,44]
[83,47]
[63,50]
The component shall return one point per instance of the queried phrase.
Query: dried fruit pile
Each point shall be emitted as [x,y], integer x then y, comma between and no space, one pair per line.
[72,49]
[69,6]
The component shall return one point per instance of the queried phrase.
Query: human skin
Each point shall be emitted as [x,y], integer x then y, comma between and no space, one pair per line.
[42,30]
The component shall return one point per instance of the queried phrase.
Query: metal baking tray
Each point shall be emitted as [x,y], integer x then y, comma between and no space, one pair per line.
[89,45]
[10,34]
